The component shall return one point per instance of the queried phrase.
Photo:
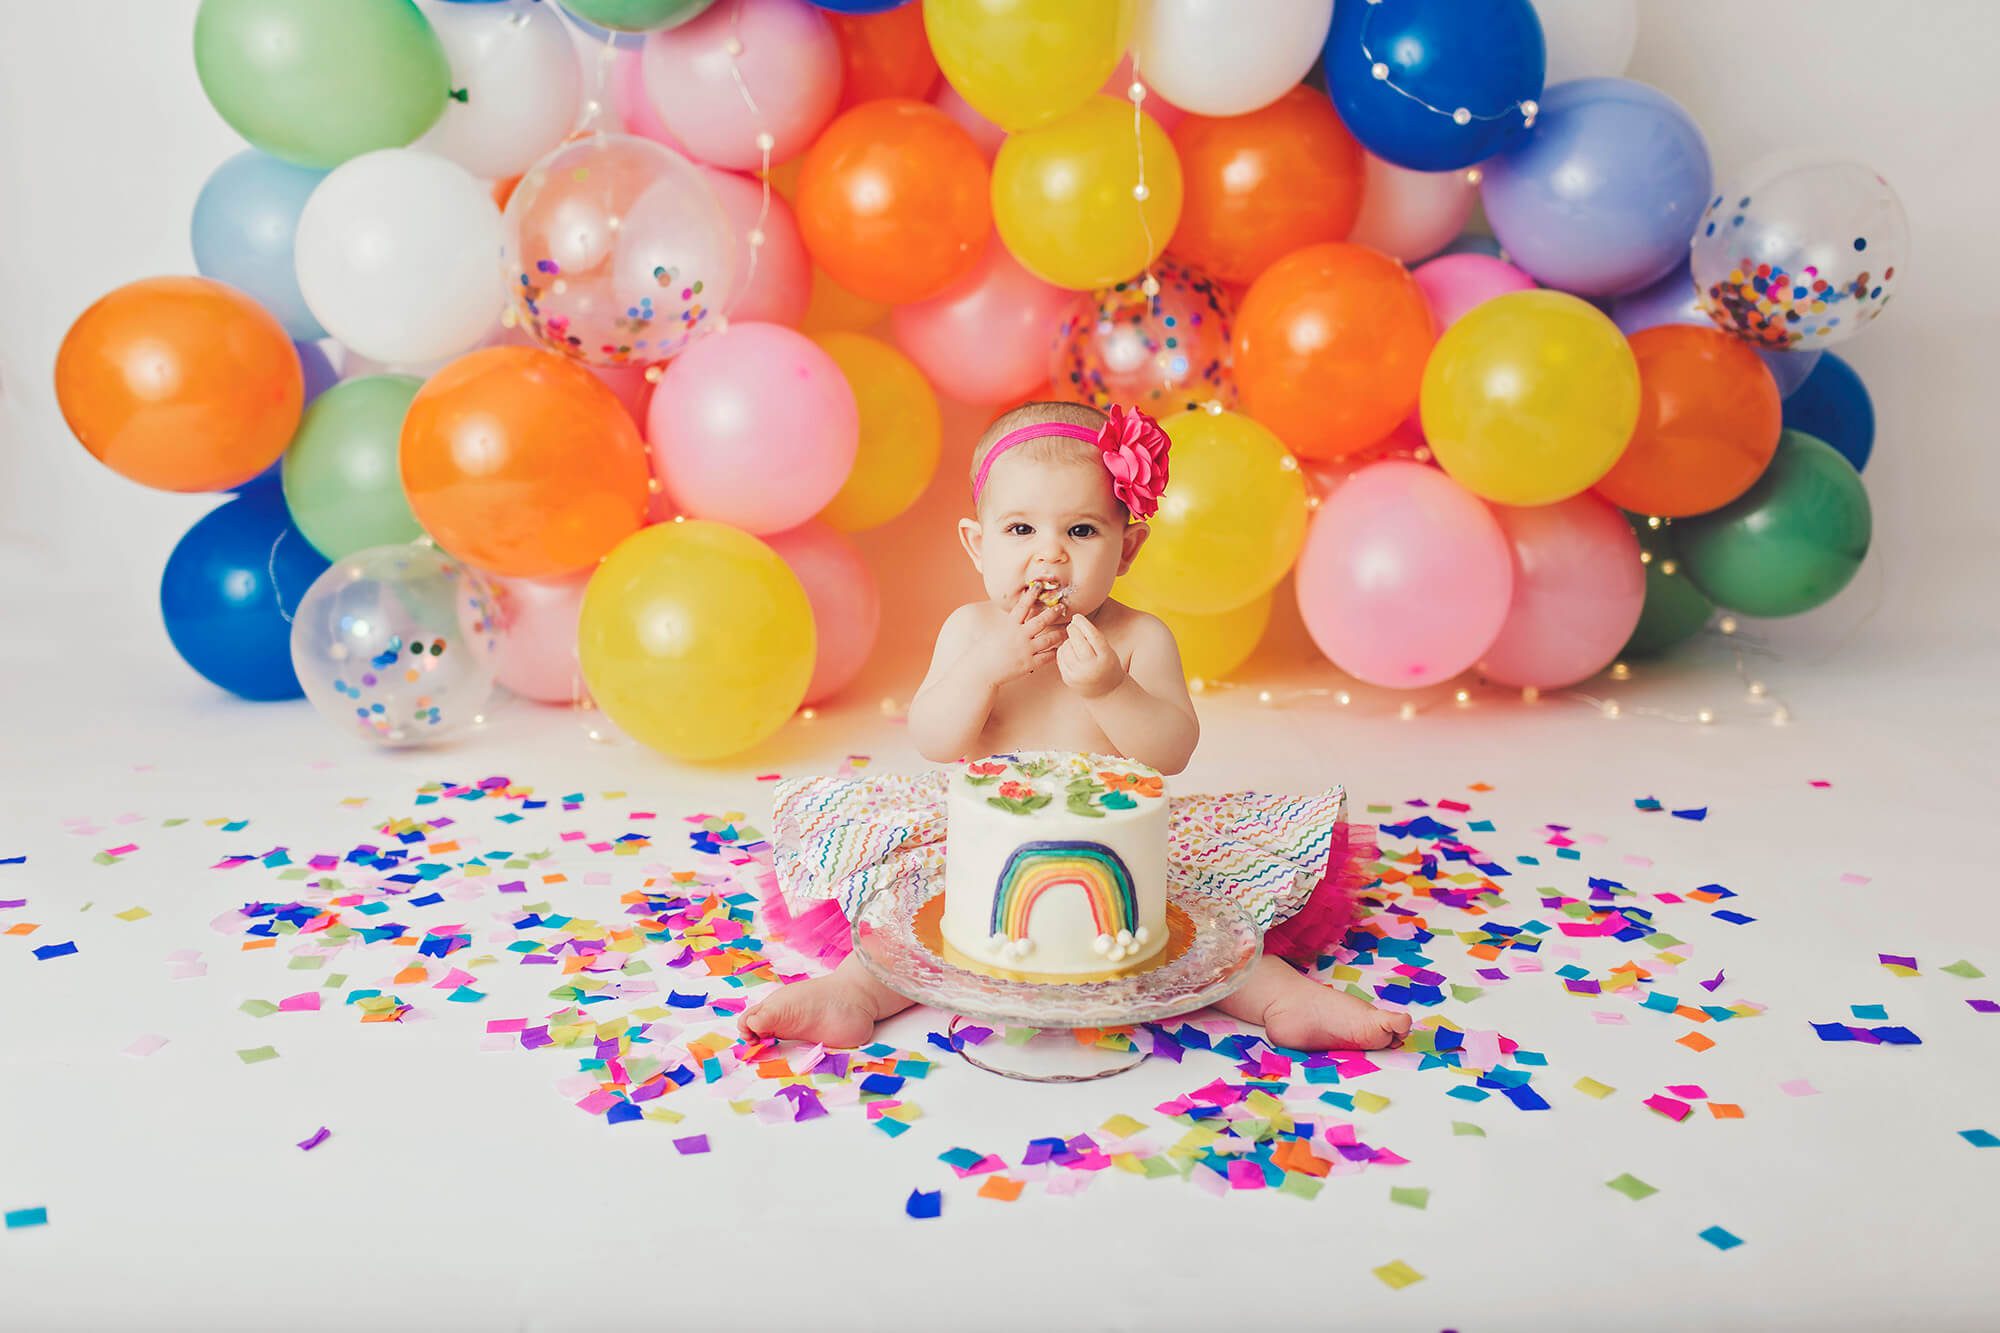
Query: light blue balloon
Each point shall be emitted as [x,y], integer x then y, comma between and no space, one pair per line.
[244,222]
[1604,194]
[1672,300]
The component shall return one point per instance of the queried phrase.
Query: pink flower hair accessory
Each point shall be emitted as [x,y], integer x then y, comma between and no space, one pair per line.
[1133,446]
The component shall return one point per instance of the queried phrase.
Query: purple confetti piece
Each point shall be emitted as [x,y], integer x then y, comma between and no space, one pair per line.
[319,1136]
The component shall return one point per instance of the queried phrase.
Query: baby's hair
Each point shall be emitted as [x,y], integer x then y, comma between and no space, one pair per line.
[1051,449]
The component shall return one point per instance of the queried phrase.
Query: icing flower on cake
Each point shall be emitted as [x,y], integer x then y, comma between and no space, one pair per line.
[1135,454]
[1149,784]
[1016,791]
[986,770]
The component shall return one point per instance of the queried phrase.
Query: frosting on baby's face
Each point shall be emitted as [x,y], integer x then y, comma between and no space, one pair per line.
[1052,525]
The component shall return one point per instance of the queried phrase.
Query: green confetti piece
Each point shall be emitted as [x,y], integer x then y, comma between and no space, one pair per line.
[257,1055]
[1466,994]
[1381,809]
[104,859]
[306,962]
[1020,1036]
[1398,1275]
[172,823]
[1631,1187]
[1466,1129]
[258,1008]
[1590,1087]
[1297,1184]
[1961,968]
[1410,1196]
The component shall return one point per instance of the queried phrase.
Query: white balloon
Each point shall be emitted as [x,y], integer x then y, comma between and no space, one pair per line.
[1411,214]
[398,256]
[1587,39]
[1221,58]
[516,84]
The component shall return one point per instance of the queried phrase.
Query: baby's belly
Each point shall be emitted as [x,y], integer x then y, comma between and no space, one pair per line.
[1038,714]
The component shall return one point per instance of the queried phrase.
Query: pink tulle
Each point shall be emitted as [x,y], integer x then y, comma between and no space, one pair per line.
[1323,921]
[821,931]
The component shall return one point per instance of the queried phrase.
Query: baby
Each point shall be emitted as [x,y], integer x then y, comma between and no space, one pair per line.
[1048,661]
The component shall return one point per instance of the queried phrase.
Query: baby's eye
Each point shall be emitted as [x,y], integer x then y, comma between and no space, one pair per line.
[1083,531]
[1020,530]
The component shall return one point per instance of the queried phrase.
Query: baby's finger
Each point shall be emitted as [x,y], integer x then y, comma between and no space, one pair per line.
[1049,639]
[1021,605]
[1090,631]
[1047,617]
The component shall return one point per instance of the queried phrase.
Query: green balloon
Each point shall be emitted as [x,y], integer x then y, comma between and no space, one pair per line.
[1787,544]
[342,480]
[1675,609]
[319,81]
[636,15]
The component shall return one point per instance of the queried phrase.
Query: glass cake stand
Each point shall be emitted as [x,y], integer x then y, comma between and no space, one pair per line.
[1210,948]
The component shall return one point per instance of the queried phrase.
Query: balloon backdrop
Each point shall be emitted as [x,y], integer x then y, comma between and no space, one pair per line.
[1578,591]
[772,278]
[893,201]
[1231,522]
[1708,423]
[1833,405]
[616,251]
[984,132]
[1587,39]
[1405,578]
[1454,284]
[244,222]
[1673,300]
[1435,84]
[831,306]
[1787,544]
[1162,352]
[520,463]
[228,592]
[745,83]
[883,53]
[636,15]
[1330,348]
[317,82]
[1070,200]
[395,256]
[1023,64]
[516,86]
[396,644]
[987,337]
[898,436]
[342,481]
[181,384]
[1530,398]
[534,653]
[1603,196]
[1211,647]
[1675,609]
[846,604]
[1211,58]
[1261,185]
[1411,215]
[755,426]
[1798,250]
[696,639]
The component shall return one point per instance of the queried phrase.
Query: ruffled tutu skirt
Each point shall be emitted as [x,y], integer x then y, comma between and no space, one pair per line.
[1292,863]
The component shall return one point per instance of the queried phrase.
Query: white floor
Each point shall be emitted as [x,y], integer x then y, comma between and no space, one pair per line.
[460,1189]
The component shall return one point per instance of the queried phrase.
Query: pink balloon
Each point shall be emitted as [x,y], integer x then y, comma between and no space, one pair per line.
[1410,214]
[788,59]
[1578,592]
[1119,85]
[754,426]
[984,132]
[1324,476]
[634,108]
[846,603]
[987,337]
[777,289]
[1453,284]
[536,654]
[1405,576]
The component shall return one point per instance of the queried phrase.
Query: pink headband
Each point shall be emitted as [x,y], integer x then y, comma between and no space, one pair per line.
[1132,443]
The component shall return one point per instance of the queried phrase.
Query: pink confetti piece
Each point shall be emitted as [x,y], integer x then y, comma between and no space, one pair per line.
[1669,1108]
[1851,878]
[1640,861]
[144,1046]
[319,1136]
[1798,1087]
[303,1002]
[1819,782]
[1692,1091]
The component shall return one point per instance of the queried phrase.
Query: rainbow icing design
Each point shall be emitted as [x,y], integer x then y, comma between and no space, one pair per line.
[1037,867]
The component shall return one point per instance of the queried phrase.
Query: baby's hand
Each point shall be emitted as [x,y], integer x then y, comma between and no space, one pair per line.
[1025,640]
[1087,662]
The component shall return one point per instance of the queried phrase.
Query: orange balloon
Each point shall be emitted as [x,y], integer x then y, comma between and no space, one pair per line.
[893,201]
[1709,421]
[884,55]
[1259,186]
[182,384]
[1330,348]
[520,462]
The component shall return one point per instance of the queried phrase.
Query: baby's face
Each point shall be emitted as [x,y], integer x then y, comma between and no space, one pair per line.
[1053,522]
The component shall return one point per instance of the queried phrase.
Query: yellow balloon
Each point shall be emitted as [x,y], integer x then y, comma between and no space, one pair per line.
[696,639]
[1065,202]
[1211,646]
[900,432]
[1023,63]
[832,307]
[1530,398]
[1231,520]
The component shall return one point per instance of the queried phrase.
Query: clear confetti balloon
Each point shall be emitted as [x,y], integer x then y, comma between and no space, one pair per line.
[1164,350]
[1799,253]
[397,644]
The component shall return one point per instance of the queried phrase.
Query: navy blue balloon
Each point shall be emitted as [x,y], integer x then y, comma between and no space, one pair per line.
[860,6]
[1833,404]
[225,610]
[1437,57]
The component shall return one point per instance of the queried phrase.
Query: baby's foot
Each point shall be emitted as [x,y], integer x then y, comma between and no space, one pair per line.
[827,1010]
[1313,1017]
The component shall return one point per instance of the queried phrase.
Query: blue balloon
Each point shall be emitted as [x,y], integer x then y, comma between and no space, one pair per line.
[860,6]
[1603,197]
[244,222]
[1833,404]
[1672,300]
[1434,85]
[1471,244]
[229,588]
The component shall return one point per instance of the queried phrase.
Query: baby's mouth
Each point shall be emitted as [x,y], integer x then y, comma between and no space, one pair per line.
[1049,592]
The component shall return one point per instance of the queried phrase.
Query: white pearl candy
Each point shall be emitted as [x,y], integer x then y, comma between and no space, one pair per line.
[1125,939]
[1102,944]
[1142,934]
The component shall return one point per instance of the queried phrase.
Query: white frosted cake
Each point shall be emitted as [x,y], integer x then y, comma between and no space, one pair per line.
[1056,863]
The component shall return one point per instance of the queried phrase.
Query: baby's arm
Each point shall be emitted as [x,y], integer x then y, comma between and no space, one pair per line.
[977,652]
[1148,715]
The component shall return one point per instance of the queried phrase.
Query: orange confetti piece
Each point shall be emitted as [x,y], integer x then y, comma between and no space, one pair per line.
[1694,1041]
[1001,1188]
[1725,1110]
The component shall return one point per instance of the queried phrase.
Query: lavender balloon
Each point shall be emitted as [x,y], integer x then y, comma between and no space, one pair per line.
[1603,195]
[1674,300]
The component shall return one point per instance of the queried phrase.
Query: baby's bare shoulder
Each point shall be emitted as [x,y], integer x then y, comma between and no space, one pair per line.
[966,621]
[1128,626]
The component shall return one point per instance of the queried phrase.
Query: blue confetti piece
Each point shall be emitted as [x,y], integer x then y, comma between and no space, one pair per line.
[1833,1032]
[679,1001]
[1733,918]
[1696,815]
[1721,1239]
[924,1203]
[27,1217]
[888,1085]
[1525,1098]
[1978,1138]
[48,951]
[1874,1011]
[620,1112]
